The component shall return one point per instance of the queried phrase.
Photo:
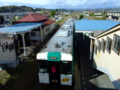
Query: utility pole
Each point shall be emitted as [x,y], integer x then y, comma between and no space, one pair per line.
[94,11]
[104,8]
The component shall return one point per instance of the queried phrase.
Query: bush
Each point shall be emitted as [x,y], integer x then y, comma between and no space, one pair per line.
[92,14]
[52,13]
[81,16]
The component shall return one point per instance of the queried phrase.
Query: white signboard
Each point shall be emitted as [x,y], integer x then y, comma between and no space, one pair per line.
[43,77]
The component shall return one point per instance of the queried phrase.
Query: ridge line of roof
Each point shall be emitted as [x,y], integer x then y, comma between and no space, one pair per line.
[33,17]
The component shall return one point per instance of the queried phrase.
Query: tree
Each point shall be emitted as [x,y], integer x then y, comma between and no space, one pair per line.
[92,14]
[52,13]
[81,16]
[41,12]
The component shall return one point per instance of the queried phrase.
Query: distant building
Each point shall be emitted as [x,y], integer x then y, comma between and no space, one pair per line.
[98,14]
[113,15]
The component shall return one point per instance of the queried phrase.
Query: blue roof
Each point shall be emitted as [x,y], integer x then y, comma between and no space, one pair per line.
[91,25]
[20,28]
[84,19]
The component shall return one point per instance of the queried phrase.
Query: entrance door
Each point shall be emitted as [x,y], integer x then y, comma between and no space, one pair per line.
[54,72]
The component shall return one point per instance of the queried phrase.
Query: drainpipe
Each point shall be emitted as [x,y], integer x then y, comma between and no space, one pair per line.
[23,40]
[90,49]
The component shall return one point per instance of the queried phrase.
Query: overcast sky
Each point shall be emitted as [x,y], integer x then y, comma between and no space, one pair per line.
[67,4]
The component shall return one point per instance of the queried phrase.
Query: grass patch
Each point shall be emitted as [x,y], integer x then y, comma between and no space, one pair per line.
[95,18]
[4,77]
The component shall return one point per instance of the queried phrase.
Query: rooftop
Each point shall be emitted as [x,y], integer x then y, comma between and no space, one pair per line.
[33,18]
[114,11]
[48,22]
[91,25]
[20,28]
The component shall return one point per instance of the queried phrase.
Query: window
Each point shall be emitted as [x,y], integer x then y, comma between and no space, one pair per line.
[66,67]
[109,43]
[11,47]
[103,45]
[47,29]
[99,45]
[116,44]
[43,66]
[95,49]
[33,34]
[5,47]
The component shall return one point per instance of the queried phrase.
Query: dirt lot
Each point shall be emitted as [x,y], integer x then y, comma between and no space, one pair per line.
[25,76]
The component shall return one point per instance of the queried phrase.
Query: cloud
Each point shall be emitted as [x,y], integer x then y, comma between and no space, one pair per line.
[53,4]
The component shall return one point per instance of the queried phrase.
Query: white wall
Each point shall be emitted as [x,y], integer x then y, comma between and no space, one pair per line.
[52,26]
[40,35]
[7,55]
[111,61]
[37,37]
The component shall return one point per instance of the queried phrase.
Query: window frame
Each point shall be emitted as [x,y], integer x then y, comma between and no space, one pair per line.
[95,50]
[113,45]
[47,29]
[3,46]
[69,67]
[109,51]
[41,65]
[33,33]
[99,45]
[12,47]
[102,43]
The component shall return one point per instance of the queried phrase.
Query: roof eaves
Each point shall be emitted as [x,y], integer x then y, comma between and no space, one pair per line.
[27,30]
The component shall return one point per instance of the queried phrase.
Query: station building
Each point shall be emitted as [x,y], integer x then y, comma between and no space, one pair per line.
[103,37]
[18,41]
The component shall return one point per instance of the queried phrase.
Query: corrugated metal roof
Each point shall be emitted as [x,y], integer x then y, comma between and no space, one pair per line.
[91,25]
[20,28]
[48,22]
[33,18]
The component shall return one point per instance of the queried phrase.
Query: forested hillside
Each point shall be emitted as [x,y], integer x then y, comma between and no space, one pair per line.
[5,9]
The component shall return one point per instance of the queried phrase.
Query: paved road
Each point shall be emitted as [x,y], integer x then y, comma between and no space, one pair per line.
[91,79]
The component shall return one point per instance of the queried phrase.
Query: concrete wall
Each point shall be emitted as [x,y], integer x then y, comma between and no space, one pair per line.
[96,32]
